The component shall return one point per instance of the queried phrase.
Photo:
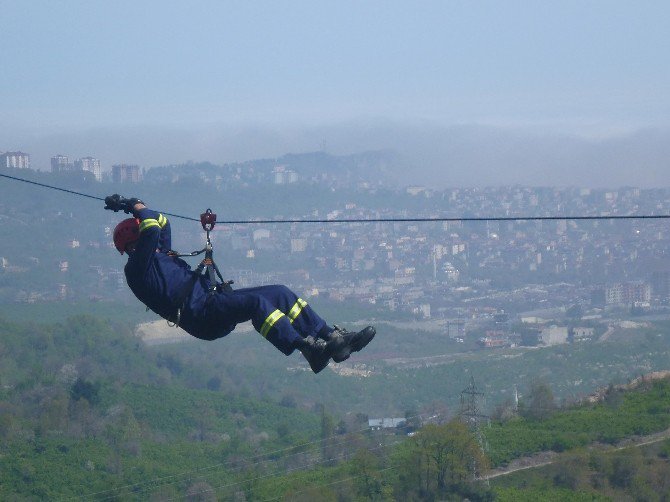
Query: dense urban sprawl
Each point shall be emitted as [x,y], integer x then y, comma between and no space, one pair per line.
[462,275]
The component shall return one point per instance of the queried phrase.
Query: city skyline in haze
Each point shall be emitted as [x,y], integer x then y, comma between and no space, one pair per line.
[157,83]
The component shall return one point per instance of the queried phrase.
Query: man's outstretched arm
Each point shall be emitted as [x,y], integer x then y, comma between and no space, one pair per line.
[154,221]
[148,218]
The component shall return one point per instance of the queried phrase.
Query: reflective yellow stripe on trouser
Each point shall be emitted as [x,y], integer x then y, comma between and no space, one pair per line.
[270,321]
[296,309]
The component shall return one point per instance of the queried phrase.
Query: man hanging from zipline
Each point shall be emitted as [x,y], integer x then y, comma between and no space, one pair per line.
[167,285]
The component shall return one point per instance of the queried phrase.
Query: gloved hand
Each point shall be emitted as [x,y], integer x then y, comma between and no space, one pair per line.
[117,203]
[114,202]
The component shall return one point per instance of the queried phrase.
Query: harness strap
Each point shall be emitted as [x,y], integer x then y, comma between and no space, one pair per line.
[184,294]
[207,219]
[177,254]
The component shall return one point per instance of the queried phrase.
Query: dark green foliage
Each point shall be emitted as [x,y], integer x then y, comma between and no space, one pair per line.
[529,334]
[664,450]
[439,460]
[546,494]
[171,362]
[433,465]
[624,468]
[639,413]
[83,389]
[102,412]
[85,407]
[214,383]
[539,405]
[633,473]
[368,480]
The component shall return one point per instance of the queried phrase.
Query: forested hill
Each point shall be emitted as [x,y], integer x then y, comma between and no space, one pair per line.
[86,410]
[615,449]
[375,168]
[85,406]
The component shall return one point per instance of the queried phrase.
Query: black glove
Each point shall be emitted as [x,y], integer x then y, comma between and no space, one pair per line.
[117,203]
[114,202]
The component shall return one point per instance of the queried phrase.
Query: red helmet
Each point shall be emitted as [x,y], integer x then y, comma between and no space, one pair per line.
[125,232]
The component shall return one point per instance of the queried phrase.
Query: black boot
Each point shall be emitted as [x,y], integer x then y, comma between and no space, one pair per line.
[349,341]
[318,352]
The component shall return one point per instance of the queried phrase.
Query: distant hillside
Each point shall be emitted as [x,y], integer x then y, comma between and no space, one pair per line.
[371,168]
[617,449]
[85,407]
[598,461]
[621,414]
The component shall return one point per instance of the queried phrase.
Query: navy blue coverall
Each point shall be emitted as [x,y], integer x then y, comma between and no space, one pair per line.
[158,279]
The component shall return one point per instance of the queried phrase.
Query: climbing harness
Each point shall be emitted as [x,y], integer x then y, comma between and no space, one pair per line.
[207,267]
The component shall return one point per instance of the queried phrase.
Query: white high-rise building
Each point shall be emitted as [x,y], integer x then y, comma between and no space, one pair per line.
[91,165]
[17,160]
[122,173]
[60,164]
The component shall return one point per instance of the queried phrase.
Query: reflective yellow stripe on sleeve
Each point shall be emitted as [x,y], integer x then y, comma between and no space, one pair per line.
[148,223]
[162,220]
[296,309]
[270,321]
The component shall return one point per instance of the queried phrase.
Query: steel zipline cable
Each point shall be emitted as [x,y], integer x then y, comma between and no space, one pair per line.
[80,194]
[378,220]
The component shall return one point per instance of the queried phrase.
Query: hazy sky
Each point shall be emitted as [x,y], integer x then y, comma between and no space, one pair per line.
[592,68]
